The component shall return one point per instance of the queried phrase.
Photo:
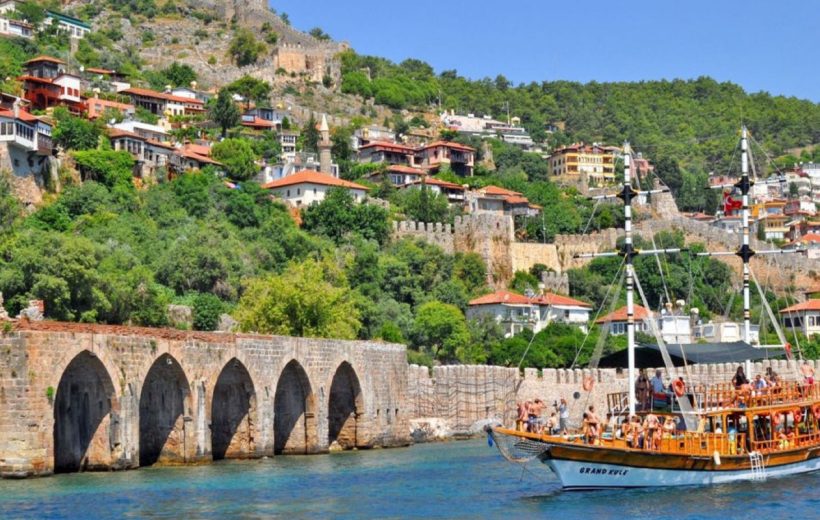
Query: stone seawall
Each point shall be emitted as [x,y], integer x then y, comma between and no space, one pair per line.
[462,396]
[76,397]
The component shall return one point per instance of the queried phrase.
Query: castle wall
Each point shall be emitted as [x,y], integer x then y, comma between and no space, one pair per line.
[462,396]
[35,356]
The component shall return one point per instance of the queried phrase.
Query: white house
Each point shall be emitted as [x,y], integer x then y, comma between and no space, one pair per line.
[309,186]
[805,317]
[616,321]
[146,130]
[75,27]
[723,332]
[516,312]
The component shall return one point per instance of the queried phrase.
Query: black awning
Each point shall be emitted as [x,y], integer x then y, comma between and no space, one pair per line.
[649,356]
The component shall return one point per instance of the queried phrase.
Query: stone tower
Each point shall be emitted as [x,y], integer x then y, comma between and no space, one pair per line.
[325,144]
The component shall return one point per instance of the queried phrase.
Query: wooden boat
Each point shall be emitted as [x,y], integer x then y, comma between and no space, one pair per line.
[726,434]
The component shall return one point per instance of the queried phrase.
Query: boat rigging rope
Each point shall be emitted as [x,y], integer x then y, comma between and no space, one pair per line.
[619,277]
[688,412]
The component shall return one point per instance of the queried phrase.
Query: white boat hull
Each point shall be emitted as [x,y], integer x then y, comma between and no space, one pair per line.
[592,475]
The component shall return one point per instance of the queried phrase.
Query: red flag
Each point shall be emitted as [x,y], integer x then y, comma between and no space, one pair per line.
[730,204]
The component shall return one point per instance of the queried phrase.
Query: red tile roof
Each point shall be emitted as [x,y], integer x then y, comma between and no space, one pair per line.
[94,70]
[516,200]
[22,116]
[199,149]
[432,181]
[44,58]
[195,156]
[495,190]
[400,168]
[811,237]
[144,92]
[114,133]
[449,144]
[511,298]
[557,299]
[35,79]
[810,305]
[506,297]
[387,145]
[620,315]
[313,177]
[258,122]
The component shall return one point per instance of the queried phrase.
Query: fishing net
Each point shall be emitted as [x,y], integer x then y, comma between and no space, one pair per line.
[517,449]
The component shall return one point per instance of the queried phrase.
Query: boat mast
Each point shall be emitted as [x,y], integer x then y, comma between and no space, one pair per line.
[745,252]
[628,251]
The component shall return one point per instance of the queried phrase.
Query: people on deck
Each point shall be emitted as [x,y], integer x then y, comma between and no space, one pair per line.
[553,425]
[643,390]
[523,415]
[594,425]
[740,378]
[657,382]
[534,416]
[808,373]
[651,426]
[563,416]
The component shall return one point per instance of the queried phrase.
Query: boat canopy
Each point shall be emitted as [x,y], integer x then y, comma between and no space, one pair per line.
[649,355]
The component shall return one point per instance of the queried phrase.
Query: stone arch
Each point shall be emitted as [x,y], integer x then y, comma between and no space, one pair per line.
[165,401]
[233,413]
[345,405]
[294,412]
[85,435]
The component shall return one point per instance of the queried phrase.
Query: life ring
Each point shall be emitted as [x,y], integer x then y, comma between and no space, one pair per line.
[798,414]
[588,383]
[679,387]
[815,410]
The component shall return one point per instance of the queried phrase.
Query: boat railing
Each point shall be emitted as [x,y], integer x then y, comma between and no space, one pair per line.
[719,396]
[784,441]
[705,444]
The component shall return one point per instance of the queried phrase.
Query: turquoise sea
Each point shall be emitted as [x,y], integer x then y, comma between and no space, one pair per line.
[465,479]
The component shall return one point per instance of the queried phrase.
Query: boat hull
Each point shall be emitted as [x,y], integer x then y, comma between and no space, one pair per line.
[580,475]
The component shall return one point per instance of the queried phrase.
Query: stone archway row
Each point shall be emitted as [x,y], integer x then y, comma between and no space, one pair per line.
[88,424]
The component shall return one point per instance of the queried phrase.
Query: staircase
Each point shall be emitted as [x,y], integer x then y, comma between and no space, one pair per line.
[758,467]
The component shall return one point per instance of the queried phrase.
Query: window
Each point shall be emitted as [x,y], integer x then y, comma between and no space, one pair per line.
[288,193]
[298,191]
[811,321]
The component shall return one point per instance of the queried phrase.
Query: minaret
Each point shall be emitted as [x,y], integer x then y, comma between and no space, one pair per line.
[325,144]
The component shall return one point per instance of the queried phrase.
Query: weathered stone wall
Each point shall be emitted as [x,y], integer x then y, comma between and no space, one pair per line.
[125,396]
[527,254]
[465,395]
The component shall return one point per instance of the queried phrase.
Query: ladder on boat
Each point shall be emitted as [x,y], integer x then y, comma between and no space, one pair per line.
[758,466]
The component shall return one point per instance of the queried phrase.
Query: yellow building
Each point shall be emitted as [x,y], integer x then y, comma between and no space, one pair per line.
[595,161]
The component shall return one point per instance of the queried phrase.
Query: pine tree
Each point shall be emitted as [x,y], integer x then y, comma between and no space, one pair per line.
[224,112]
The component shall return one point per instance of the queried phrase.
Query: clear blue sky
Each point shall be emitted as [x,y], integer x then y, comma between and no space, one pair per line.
[769,45]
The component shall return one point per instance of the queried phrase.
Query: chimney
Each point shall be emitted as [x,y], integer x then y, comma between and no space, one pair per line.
[16,108]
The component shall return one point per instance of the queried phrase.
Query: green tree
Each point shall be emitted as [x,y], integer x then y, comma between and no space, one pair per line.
[338,216]
[74,133]
[309,299]
[442,330]
[251,90]
[179,74]
[237,156]
[207,308]
[9,205]
[310,135]
[244,48]
[223,111]
[423,204]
